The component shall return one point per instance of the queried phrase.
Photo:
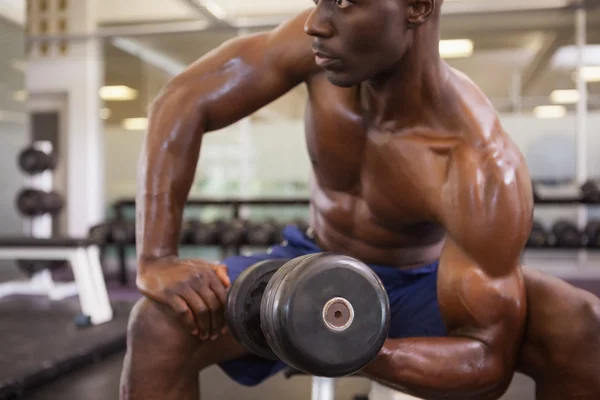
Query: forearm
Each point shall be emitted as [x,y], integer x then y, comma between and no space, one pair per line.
[166,172]
[439,368]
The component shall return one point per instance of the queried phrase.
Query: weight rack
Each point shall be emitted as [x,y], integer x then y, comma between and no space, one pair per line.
[236,205]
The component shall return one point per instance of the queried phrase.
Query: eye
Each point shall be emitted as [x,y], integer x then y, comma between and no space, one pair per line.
[342,3]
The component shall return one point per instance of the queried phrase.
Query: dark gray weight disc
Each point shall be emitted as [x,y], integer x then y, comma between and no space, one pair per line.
[327,315]
[244,304]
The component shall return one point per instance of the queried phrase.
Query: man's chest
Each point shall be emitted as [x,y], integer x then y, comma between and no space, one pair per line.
[398,172]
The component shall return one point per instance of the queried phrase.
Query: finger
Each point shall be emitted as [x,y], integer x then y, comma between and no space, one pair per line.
[215,307]
[220,292]
[219,288]
[200,311]
[214,313]
[221,271]
[184,314]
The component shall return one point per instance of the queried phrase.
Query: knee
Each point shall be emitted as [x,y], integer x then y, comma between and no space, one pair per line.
[151,322]
[153,332]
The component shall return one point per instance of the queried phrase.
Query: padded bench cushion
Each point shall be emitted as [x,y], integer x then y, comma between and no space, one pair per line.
[49,243]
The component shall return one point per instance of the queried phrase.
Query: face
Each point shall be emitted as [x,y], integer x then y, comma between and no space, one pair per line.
[356,40]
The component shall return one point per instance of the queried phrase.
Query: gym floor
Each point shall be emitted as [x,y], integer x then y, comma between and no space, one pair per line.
[98,377]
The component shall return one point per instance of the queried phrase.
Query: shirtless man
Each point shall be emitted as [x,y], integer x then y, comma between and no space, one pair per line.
[412,174]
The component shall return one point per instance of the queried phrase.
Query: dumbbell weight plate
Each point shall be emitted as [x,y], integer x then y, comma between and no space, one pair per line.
[325,314]
[263,233]
[244,303]
[591,192]
[34,161]
[592,234]
[566,234]
[52,203]
[538,237]
[269,324]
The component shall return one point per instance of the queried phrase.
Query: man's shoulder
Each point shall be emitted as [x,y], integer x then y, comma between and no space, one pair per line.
[478,117]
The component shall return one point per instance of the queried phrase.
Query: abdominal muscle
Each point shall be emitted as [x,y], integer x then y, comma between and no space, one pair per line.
[343,223]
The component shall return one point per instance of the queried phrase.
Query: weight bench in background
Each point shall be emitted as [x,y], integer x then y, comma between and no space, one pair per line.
[84,257]
[324,389]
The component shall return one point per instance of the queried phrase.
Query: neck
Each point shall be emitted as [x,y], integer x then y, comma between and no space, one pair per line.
[413,87]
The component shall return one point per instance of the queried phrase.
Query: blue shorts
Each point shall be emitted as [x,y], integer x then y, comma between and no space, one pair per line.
[413,302]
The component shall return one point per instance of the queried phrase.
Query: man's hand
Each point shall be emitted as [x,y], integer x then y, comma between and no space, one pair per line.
[195,290]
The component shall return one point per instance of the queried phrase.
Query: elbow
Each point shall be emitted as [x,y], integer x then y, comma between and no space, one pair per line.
[496,377]
[175,107]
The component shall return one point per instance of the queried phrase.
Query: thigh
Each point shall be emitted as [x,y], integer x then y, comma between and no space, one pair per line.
[249,369]
[238,264]
[415,308]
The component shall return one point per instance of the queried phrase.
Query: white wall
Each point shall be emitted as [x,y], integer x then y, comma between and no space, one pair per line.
[549,144]
[14,139]
[279,158]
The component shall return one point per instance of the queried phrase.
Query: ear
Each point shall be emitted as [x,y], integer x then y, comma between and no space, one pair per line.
[418,12]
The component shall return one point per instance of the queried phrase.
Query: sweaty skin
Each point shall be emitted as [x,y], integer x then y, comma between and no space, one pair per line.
[410,165]
[562,345]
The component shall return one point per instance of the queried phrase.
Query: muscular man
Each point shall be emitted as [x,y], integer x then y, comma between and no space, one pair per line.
[412,174]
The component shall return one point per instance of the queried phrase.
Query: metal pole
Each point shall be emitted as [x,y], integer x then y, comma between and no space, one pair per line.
[516,98]
[581,118]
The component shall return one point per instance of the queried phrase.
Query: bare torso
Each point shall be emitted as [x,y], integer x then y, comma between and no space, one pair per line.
[374,190]
[372,196]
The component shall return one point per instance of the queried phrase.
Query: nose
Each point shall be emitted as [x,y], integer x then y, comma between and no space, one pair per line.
[318,25]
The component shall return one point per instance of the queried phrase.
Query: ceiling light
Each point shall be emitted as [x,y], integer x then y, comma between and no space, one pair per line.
[105,113]
[118,93]
[567,57]
[135,124]
[565,96]
[545,112]
[591,73]
[456,48]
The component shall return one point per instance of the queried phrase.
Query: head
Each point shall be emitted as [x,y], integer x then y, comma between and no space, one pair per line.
[364,38]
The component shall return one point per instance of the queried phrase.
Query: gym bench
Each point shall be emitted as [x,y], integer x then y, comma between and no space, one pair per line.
[324,388]
[84,258]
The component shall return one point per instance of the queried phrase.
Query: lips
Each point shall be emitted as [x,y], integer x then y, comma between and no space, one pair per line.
[323,59]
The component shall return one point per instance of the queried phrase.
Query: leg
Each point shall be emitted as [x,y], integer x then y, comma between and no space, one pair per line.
[163,360]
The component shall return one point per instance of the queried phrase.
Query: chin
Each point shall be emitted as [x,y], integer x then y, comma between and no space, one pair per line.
[343,80]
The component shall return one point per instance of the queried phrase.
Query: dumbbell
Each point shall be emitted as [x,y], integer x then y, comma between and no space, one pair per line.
[122,232]
[187,228]
[538,236]
[34,161]
[207,234]
[101,233]
[234,233]
[566,234]
[35,203]
[264,233]
[590,191]
[592,234]
[324,314]
[535,191]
